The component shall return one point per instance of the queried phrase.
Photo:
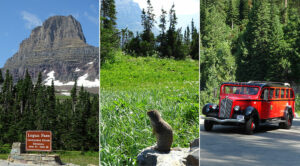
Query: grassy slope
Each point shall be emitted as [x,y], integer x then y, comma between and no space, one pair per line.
[130,87]
[130,73]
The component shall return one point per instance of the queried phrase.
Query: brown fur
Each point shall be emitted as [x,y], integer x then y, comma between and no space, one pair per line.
[162,130]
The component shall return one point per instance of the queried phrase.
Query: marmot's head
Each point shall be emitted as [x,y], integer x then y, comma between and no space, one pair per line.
[153,115]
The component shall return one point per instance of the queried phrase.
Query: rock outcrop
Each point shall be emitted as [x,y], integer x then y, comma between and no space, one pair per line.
[58,47]
[176,157]
[151,157]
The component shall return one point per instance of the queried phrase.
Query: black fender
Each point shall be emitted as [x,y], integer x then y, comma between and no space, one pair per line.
[251,112]
[288,110]
[208,110]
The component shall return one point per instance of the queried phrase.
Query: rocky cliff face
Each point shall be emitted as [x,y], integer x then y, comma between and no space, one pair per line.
[59,50]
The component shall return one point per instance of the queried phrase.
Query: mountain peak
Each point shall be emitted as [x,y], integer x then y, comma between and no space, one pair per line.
[59,50]
[56,32]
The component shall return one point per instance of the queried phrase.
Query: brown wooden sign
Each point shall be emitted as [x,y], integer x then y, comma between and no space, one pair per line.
[37,140]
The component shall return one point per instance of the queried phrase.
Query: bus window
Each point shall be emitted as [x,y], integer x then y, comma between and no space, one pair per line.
[282,93]
[291,94]
[286,93]
[271,94]
[264,94]
[277,93]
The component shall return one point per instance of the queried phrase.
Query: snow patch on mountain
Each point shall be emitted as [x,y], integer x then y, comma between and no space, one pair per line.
[81,81]
[87,83]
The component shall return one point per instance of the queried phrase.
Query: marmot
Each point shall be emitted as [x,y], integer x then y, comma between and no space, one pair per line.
[162,130]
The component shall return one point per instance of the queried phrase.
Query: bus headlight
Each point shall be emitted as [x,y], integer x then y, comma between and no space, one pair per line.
[237,108]
[214,106]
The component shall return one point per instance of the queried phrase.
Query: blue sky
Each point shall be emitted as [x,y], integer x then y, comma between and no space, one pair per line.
[19,17]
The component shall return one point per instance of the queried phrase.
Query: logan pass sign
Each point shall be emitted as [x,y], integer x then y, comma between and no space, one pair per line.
[38,141]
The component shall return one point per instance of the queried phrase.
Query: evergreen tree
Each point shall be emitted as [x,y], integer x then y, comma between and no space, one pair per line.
[279,62]
[134,46]
[109,39]
[74,95]
[39,81]
[292,37]
[41,111]
[187,36]
[195,43]
[92,129]
[51,107]
[108,14]
[216,61]
[232,14]
[162,48]
[243,10]
[254,61]
[174,43]
[147,44]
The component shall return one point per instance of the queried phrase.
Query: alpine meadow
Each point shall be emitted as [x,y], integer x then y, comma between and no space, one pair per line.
[143,71]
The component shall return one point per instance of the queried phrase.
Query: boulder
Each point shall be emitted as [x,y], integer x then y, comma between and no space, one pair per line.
[151,157]
[176,157]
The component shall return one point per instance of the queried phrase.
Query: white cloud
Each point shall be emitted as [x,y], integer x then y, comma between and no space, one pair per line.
[91,18]
[31,20]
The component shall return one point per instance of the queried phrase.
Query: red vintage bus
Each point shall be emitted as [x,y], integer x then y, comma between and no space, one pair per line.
[251,104]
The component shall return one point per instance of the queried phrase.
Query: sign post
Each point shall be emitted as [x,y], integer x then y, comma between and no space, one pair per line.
[37,140]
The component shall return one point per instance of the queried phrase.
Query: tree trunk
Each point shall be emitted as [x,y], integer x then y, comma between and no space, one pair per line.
[285,4]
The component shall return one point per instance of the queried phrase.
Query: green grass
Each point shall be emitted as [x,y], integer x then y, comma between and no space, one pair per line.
[128,72]
[3,156]
[129,88]
[62,97]
[76,157]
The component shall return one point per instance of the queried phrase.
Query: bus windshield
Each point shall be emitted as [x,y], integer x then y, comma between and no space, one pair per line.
[239,90]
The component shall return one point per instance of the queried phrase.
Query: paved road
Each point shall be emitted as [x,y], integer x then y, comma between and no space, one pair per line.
[270,146]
